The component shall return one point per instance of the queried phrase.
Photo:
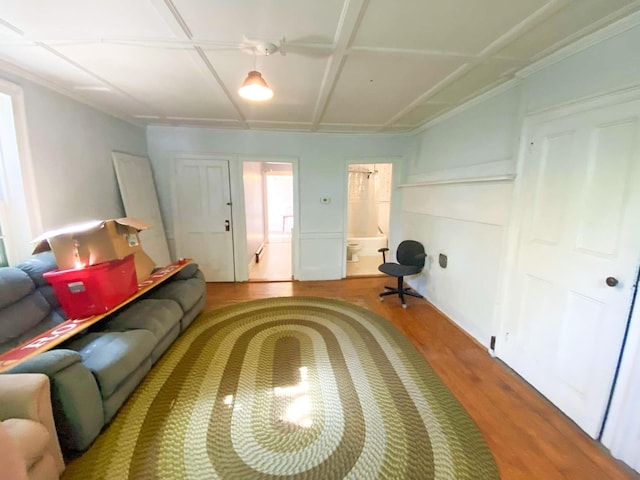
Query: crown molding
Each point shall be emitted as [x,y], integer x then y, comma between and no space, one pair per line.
[605,33]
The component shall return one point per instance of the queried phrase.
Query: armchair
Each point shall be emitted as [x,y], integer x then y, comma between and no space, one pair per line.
[29,445]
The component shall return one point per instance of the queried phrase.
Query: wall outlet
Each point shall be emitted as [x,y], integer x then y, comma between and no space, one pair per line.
[325,200]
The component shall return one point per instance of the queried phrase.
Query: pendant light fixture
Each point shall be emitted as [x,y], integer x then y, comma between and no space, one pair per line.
[254,87]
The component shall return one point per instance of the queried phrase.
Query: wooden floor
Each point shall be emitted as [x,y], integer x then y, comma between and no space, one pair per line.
[274,264]
[528,436]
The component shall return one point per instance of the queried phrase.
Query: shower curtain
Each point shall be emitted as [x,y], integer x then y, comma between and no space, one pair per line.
[363,204]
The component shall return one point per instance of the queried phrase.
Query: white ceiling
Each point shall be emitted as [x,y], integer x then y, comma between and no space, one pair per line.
[343,65]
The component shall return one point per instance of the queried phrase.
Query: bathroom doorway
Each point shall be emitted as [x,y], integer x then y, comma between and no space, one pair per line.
[369,203]
[268,188]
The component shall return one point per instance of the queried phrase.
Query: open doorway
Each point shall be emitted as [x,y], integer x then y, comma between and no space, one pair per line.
[369,203]
[268,188]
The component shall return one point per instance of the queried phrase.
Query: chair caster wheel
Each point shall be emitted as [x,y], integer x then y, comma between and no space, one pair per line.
[381,298]
[404,305]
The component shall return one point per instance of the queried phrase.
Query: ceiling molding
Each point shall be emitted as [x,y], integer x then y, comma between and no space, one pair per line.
[605,33]
[71,93]
[484,73]
[200,119]
[588,30]
[533,20]
[525,25]
[212,71]
[593,101]
[178,18]
[168,43]
[503,87]
[434,54]
[11,27]
[585,42]
[410,52]
[172,16]
[33,77]
[350,20]
[446,81]
[97,77]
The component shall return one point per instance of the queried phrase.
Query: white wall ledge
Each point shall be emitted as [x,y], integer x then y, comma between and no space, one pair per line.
[451,181]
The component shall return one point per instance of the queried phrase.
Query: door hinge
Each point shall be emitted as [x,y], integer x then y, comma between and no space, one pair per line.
[492,343]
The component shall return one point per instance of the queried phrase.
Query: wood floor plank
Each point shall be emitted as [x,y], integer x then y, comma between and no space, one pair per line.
[529,437]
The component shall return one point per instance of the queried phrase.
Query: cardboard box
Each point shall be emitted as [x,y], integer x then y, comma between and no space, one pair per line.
[95,242]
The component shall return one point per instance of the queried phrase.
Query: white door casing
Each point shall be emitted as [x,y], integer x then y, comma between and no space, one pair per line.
[202,216]
[578,207]
[140,200]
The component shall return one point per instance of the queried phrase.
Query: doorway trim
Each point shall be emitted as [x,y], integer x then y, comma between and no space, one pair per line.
[394,206]
[239,213]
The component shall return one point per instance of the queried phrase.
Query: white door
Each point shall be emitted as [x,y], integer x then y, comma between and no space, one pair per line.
[579,229]
[203,216]
[140,201]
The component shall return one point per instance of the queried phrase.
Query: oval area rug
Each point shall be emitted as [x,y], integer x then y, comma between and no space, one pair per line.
[295,387]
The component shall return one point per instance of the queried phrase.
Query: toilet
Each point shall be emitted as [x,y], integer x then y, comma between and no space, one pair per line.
[352,251]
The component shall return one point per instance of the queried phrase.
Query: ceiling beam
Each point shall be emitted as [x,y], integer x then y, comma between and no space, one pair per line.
[435,54]
[498,44]
[214,45]
[71,93]
[64,90]
[91,73]
[350,19]
[205,60]
[174,20]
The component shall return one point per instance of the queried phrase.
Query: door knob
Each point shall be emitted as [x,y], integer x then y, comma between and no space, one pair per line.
[612,281]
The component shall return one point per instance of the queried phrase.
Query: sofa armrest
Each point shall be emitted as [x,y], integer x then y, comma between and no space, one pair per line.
[27,396]
[49,363]
[21,396]
[75,396]
[187,272]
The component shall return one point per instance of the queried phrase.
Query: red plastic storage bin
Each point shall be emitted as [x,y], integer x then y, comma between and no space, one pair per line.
[83,292]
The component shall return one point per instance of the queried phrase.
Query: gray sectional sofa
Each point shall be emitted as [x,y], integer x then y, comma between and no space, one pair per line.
[93,373]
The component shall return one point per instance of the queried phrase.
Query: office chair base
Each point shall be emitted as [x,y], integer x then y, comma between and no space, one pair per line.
[400,292]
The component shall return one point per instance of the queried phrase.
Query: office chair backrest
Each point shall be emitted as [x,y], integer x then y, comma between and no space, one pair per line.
[407,251]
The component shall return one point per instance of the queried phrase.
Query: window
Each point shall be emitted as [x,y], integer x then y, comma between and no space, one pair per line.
[18,208]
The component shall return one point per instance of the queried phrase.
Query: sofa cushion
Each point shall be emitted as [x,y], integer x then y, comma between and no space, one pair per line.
[52,320]
[185,292]
[29,436]
[159,316]
[112,356]
[23,315]
[14,285]
[38,264]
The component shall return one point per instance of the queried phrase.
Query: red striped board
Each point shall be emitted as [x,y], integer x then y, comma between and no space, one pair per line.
[65,330]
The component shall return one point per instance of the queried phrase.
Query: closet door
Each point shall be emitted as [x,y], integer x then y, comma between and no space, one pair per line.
[577,256]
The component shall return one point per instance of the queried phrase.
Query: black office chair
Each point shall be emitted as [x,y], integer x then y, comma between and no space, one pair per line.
[411,257]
